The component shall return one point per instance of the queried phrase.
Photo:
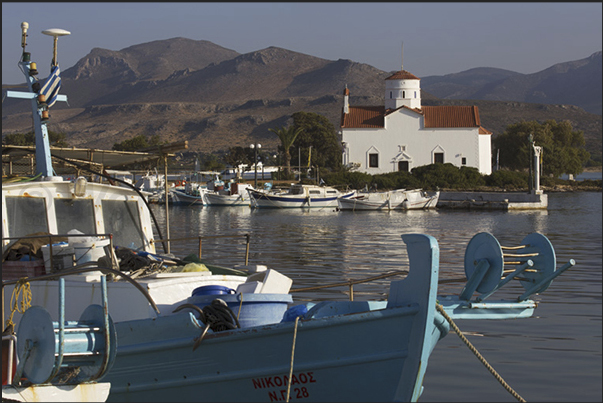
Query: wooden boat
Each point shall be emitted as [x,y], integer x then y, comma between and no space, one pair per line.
[299,195]
[236,194]
[399,199]
[305,351]
[192,194]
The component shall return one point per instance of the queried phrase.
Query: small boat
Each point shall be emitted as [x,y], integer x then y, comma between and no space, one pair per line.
[399,199]
[193,193]
[298,195]
[234,194]
[286,351]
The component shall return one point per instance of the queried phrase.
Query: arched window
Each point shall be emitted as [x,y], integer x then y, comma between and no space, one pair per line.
[390,95]
[403,94]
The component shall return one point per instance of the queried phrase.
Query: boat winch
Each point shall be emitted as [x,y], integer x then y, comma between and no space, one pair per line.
[534,261]
[65,352]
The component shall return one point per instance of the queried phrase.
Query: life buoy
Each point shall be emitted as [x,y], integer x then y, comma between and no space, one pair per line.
[180,183]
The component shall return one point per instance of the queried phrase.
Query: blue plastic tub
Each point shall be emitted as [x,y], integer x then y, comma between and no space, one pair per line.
[256,309]
[212,290]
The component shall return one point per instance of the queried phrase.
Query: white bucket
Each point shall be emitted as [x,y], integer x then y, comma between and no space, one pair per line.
[89,251]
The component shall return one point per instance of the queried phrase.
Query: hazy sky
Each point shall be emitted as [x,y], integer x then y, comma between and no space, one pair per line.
[439,38]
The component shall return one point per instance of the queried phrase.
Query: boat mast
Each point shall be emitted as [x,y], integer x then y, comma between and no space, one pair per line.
[38,102]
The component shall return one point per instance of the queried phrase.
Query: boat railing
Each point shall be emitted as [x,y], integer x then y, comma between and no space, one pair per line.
[200,239]
[351,283]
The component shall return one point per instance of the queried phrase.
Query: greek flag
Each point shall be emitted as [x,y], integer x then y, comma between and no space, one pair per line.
[52,86]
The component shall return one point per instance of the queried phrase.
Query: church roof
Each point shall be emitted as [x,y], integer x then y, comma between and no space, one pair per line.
[402,75]
[365,117]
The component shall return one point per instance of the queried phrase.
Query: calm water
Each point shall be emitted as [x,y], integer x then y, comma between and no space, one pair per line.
[553,356]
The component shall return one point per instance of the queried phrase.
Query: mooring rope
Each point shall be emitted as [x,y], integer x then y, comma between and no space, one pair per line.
[292,355]
[440,309]
[22,290]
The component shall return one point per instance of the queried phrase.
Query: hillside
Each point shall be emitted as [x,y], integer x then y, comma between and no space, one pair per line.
[215,98]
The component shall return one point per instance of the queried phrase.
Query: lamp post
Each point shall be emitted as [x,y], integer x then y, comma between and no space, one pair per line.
[255,147]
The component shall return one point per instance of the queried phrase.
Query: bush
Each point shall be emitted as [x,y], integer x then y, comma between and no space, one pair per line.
[510,180]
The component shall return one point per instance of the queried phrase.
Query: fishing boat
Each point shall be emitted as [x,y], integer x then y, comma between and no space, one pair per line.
[287,351]
[399,199]
[234,194]
[298,196]
[77,228]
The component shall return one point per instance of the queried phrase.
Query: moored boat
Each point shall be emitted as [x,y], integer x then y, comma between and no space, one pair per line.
[299,196]
[399,199]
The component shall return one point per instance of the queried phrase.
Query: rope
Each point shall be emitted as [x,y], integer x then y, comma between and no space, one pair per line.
[478,355]
[22,290]
[218,317]
[292,355]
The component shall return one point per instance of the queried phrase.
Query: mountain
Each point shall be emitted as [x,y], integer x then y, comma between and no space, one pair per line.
[575,83]
[216,98]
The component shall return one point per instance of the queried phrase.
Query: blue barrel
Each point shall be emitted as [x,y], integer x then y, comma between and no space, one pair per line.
[255,309]
[212,290]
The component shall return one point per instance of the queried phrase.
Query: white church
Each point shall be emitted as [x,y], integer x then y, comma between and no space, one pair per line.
[402,134]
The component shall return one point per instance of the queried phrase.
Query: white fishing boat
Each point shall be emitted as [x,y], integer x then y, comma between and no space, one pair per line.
[234,194]
[298,196]
[399,199]
[52,227]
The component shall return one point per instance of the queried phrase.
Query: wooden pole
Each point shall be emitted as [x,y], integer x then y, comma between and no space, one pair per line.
[167,214]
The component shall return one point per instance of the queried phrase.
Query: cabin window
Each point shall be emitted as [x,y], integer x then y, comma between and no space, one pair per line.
[122,220]
[314,192]
[438,158]
[331,192]
[373,160]
[74,214]
[403,166]
[26,215]
[464,161]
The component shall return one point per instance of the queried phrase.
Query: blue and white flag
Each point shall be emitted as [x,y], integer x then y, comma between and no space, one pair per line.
[52,86]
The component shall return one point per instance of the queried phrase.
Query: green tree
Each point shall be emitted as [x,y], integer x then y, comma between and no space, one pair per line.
[320,134]
[29,139]
[562,147]
[133,144]
[287,137]
[212,163]
[237,156]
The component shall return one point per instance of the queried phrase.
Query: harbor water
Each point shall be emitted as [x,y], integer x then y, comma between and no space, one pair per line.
[555,356]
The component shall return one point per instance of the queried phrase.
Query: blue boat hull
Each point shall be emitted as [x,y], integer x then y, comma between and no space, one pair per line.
[343,350]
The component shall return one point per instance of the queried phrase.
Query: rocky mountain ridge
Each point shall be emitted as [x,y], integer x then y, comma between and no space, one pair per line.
[215,98]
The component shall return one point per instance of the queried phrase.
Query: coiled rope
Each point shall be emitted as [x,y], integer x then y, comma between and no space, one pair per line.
[21,291]
[499,378]
[217,316]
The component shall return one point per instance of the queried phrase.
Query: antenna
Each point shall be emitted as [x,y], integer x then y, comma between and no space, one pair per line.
[24,28]
[55,32]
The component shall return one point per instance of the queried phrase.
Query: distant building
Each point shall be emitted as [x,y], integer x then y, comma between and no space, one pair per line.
[402,134]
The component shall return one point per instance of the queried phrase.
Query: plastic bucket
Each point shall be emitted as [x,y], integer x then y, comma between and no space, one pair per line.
[89,251]
[212,290]
[256,309]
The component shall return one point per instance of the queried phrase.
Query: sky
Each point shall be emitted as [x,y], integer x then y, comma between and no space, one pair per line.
[423,38]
